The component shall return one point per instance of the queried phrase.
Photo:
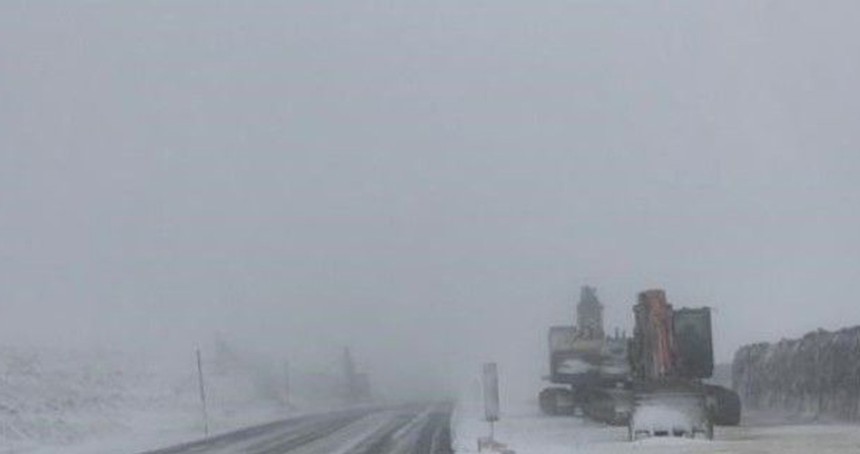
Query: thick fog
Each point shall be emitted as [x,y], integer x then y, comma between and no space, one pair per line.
[429,183]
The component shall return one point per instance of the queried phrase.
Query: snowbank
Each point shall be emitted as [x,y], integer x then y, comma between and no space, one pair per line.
[523,429]
[53,399]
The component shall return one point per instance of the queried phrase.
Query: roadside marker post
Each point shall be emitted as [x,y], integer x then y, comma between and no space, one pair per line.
[490,382]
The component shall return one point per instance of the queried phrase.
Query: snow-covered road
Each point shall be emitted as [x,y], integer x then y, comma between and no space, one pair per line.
[407,429]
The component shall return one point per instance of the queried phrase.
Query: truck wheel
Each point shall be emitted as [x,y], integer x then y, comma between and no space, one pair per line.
[548,402]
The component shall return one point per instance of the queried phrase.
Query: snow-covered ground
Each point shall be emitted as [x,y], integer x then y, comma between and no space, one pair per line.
[106,402]
[525,431]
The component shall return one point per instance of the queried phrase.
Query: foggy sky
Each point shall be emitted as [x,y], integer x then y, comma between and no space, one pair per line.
[428,182]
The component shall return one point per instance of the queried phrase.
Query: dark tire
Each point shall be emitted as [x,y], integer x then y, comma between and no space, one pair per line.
[557,401]
[548,402]
[727,407]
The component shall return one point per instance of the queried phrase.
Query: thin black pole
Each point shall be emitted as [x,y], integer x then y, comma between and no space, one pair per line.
[202,394]
[287,388]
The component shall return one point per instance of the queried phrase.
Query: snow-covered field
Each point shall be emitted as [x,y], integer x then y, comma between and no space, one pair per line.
[107,402]
[525,431]
[93,402]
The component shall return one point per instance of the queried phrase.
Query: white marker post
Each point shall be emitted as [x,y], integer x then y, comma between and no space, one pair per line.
[491,396]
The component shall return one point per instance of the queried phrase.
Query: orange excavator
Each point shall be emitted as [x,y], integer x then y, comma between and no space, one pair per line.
[654,382]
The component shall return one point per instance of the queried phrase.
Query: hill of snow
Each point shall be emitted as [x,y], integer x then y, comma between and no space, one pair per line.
[52,399]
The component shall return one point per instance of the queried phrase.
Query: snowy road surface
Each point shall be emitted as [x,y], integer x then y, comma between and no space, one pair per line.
[525,431]
[408,429]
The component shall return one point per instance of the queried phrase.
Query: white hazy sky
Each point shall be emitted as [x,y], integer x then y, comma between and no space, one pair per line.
[429,182]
